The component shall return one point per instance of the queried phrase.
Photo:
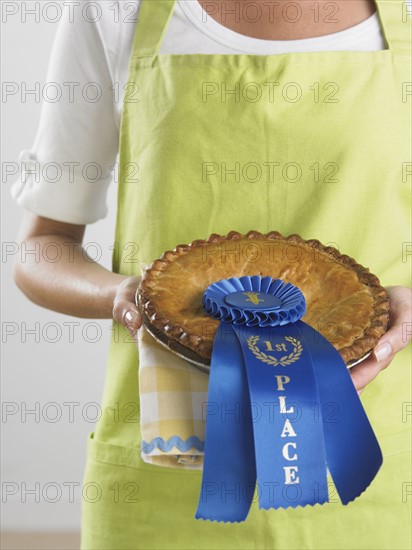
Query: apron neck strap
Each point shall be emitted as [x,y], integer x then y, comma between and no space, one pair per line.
[154,16]
[396,24]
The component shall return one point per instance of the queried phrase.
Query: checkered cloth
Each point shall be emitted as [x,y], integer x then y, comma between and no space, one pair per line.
[173,398]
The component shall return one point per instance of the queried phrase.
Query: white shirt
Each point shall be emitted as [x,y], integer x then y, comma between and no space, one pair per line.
[66,173]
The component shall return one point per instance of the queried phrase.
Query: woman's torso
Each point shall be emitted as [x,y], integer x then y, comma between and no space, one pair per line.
[308,143]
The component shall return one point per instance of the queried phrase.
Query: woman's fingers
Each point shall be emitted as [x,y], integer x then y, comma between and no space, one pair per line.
[125,310]
[393,341]
[365,372]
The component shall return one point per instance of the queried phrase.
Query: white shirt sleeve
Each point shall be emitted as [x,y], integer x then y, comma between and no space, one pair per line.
[66,173]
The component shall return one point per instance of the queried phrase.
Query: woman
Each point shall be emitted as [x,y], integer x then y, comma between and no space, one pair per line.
[317,87]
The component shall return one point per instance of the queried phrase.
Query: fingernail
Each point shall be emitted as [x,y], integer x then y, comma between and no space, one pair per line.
[383,351]
[131,317]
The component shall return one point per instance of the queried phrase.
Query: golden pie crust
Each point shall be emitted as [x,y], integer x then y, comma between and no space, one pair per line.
[345,302]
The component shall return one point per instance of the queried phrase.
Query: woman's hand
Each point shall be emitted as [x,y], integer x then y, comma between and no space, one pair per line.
[125,310]
[398,335]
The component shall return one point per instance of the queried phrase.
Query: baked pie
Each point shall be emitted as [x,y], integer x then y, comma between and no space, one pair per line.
[345,302]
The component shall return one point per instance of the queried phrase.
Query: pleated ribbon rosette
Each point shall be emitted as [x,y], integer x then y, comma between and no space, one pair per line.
[282,409]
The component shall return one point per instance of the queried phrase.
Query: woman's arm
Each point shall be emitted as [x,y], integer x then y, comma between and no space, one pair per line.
[75,284]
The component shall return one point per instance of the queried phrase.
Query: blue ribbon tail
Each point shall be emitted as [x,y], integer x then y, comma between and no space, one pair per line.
[352,451]
[229,471]
[289,442]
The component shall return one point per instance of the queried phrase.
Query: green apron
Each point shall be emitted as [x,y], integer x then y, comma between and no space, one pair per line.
[311,143]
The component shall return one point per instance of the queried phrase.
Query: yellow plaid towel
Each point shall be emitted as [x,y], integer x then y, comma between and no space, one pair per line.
[173,398]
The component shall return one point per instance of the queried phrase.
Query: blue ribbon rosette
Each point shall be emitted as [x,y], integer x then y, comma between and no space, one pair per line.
[281,410]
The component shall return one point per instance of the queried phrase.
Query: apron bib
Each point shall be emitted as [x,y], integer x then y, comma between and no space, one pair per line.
[311,143]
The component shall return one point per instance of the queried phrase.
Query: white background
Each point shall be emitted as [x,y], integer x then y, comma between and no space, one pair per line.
[38,450]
